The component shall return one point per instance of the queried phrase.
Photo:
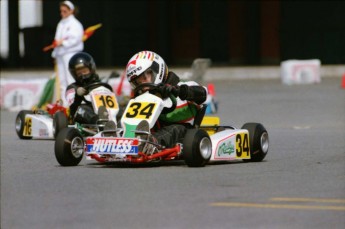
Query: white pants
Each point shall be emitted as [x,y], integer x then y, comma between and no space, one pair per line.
[65,77]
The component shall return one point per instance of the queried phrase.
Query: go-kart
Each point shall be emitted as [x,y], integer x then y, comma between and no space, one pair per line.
[40,124]
[132,142]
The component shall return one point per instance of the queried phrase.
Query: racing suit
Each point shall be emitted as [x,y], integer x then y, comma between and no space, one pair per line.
[71,31]
[171,127]
[81,110]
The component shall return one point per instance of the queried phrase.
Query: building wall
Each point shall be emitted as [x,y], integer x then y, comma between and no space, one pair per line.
[228,32]
[313,30]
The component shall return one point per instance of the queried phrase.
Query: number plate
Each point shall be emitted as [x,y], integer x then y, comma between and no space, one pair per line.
[140,110]
[27,127]
[242,146]
[109,101]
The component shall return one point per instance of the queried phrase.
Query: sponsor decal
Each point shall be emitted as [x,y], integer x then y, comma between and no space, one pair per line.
[112,145]
[43,133]
[162,72]
[226,148]
[134,71]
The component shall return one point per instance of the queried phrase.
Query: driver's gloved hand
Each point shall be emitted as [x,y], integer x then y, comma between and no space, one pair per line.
[193,93]
[81,91]
[166,90]
[183,92]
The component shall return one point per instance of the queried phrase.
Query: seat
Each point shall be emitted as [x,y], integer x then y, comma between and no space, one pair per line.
[199,116]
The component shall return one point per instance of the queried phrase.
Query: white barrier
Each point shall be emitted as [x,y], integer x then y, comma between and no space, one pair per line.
[300,71]
[20,94]
[23,94]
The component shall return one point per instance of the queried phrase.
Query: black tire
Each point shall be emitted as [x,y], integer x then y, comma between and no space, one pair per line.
[69,147]
[197,148]
[259,141]
[20,123]
[60,122]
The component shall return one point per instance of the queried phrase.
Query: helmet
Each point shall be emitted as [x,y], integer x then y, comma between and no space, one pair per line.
[81,60]
[146,60]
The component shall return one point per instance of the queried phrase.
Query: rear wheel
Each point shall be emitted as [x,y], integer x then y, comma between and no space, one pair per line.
[197,148]
[20,123]
[259,141]
[69,147]
[60,121]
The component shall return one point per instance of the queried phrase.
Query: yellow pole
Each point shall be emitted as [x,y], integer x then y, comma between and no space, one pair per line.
[57,83]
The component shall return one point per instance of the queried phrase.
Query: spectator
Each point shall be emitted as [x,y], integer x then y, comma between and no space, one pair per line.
[67,42]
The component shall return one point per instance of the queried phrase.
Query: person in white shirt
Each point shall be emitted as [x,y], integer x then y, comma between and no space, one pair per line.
[68,41]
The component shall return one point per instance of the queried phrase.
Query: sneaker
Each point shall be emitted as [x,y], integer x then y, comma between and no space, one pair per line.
[110,125]
[109,129]
[143,126]
[142,132]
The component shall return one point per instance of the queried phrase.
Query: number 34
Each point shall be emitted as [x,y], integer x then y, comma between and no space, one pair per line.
[140,110]
[242,145]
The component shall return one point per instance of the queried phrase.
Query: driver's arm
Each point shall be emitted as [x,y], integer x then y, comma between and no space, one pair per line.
[194,93]
[76,103]
[73,98]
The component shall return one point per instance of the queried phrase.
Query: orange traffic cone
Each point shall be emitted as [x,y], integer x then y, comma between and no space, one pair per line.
[343,81]
[211,89]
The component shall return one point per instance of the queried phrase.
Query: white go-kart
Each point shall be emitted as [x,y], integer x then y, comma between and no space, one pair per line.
[129,141]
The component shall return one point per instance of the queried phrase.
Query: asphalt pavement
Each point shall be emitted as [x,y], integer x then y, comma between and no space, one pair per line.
[300,184]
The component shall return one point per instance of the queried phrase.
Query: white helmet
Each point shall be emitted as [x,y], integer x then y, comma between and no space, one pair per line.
[146,60]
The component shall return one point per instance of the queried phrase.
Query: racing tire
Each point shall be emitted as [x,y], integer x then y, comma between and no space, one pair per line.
[69,147]
[258,140]
[60,121]
[197,148]
[20,123]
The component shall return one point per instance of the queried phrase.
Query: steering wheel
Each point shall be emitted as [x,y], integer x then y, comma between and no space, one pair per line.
[150,87]
[154,89]
[98,84]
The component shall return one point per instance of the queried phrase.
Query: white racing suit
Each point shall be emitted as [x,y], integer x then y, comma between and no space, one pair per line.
[171,127]
[71,31]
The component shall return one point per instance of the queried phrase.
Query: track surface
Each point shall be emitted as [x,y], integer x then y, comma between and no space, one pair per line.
[300,184]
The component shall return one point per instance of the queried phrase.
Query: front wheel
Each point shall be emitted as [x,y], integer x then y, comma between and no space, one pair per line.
[197,148]
[20,124]
[60,121]
[259,141]
[69,147]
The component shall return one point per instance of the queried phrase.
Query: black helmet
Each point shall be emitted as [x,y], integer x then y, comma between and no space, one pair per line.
[80,60]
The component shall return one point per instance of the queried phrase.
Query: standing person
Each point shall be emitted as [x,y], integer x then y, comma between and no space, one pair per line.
[67,42]
[149,67]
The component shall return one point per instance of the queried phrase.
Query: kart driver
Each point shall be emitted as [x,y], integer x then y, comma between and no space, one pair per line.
[83,69]
[149,67]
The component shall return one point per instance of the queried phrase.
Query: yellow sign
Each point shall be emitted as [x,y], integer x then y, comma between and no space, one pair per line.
[242,146]
[140,110]
[109,101]
[27,126]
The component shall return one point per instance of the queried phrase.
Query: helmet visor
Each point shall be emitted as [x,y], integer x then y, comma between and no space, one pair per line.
[148,76]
